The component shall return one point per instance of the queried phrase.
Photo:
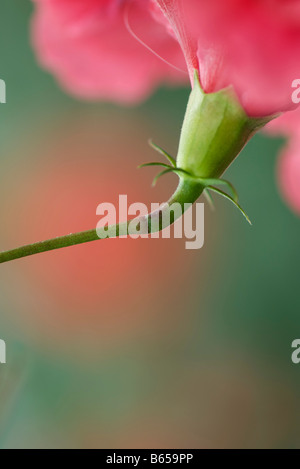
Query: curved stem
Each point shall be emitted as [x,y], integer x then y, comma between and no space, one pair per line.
[187,192]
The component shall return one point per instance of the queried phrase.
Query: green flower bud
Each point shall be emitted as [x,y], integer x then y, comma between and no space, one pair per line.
[215,130]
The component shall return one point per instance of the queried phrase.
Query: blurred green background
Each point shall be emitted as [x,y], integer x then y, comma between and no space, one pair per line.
[136,344]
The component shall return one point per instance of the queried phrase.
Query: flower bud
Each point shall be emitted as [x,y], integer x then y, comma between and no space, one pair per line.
[215,130]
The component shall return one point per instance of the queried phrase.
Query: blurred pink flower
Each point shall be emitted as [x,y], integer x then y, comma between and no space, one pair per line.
[288,125]
[88,47]
[251,45]
[289,174]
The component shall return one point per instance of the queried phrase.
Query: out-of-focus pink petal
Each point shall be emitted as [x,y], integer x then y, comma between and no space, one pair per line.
[89,49]
[287,124]
[289,174]
[77,15]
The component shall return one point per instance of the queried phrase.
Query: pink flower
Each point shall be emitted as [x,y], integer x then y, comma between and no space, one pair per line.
[87,46]
[252,45]
[288,125]
[289,174]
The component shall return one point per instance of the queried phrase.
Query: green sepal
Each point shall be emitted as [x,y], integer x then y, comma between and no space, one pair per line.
[166,171]
[145,165]
[226,196]
[207,183]
[209,199]
[163,152]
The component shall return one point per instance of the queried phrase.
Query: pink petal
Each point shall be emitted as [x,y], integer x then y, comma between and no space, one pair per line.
[89,49]
[250,44]
[289,174]
[177,14]
[287,124]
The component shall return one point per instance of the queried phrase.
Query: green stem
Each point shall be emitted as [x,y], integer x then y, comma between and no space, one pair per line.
[187,192]
[214,131]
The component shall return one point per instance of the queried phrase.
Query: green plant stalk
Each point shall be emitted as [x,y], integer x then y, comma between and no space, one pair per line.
[215,130]
[187,193]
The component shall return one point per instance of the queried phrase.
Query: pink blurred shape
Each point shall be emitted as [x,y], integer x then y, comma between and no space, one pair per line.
[288,125]
[251,45]
[88,47]
[289,174]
